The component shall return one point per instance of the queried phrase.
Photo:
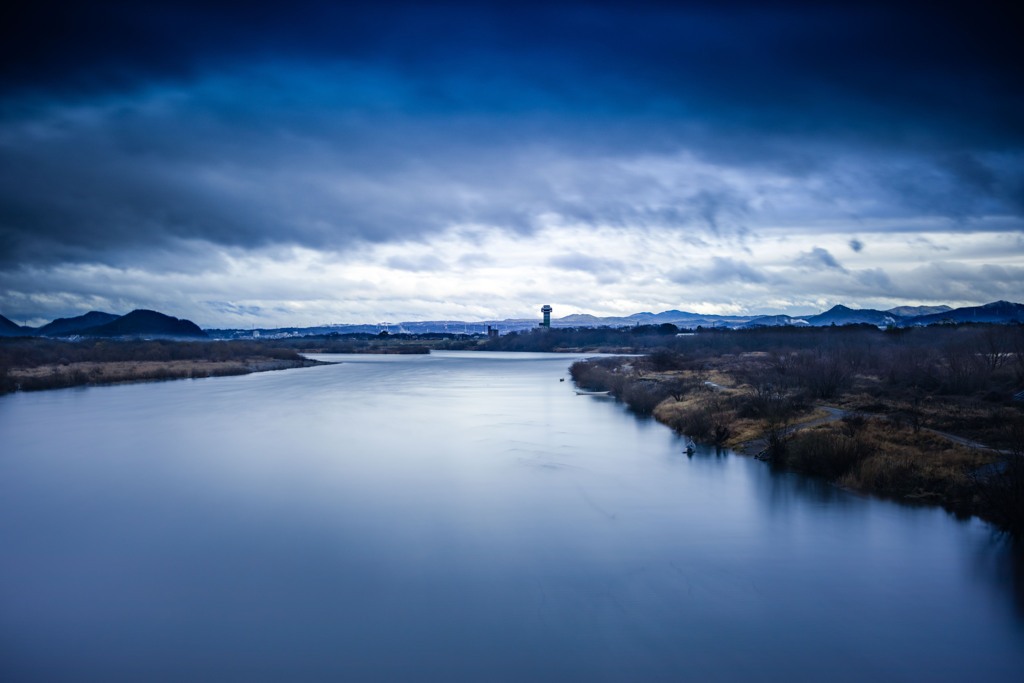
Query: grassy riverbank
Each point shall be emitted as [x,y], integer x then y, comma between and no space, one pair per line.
[32,363]
[37,364]
[922,416]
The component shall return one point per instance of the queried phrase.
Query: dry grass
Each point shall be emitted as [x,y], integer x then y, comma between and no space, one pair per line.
[930,455]
[115,372]
[964,416]
[700,413]
[884,455]
[720,378]
[745,430]
[881,457]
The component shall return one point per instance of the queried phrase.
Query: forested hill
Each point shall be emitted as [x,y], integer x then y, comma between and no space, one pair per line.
[68,326]
[141,323]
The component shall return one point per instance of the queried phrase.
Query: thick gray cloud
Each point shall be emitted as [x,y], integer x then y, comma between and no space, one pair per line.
[111,183]
[604,270]
[956,281]
[818,258]
[721,270]
[427,263]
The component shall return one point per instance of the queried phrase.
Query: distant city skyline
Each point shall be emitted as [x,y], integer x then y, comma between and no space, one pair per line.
[312,163]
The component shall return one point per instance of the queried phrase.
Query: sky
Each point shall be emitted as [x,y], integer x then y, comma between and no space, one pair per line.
[301,163]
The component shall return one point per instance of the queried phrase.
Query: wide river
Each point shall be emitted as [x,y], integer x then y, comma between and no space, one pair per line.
[458,517]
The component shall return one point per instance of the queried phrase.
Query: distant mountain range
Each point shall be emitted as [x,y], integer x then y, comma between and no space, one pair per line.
[837,315]
[137,324]
[901,316]
[151,324]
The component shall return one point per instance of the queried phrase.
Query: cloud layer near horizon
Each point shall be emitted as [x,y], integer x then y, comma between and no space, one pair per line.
[464,160]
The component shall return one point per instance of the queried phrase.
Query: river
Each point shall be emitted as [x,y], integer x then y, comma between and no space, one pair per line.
[458,517]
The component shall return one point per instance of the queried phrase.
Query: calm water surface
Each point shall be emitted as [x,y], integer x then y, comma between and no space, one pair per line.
[457,517]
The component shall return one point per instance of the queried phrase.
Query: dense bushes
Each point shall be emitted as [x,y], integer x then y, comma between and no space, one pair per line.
[643,397]
[599,374]
[701,420]
[617,375]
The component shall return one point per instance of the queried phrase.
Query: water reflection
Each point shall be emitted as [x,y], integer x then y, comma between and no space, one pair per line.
[459,517]
[695,450]
[997,563]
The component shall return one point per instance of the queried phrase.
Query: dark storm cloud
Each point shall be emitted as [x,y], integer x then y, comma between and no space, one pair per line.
[718,208]
[817,259]
[795,61]
[888,70]
[159,171]
[128,180]
[134,132]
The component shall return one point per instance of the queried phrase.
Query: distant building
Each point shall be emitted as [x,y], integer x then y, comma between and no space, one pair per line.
[546,311]
[492,332]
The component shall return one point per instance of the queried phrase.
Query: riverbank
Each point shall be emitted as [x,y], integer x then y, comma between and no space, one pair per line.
[121,372]
[39,364]
[962,452]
